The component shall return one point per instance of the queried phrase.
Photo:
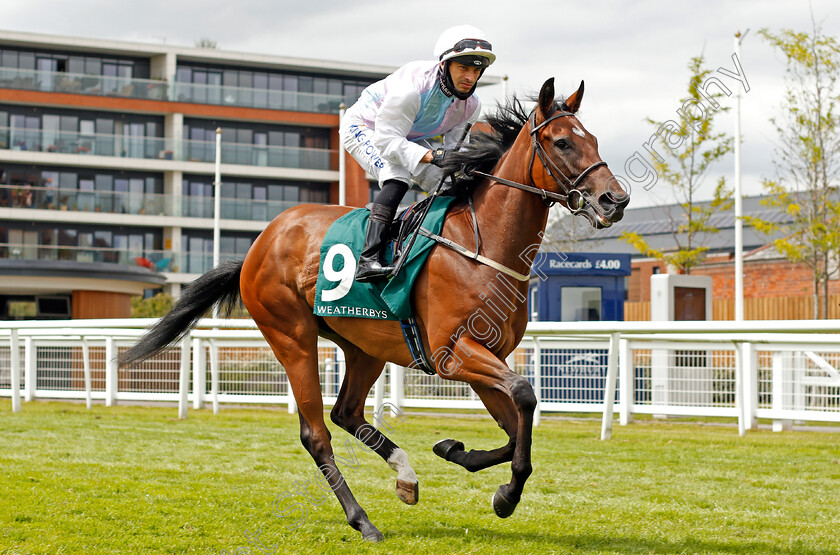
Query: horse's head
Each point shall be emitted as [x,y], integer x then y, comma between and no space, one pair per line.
[567,161]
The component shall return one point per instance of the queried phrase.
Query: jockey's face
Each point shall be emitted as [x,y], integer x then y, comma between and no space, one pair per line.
[463,76]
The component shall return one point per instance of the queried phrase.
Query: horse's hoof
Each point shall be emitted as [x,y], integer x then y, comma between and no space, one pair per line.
[408,492]
[373,535]
[446,447]
[503,506]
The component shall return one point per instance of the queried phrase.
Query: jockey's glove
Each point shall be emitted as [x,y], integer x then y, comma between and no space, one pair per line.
[439,156]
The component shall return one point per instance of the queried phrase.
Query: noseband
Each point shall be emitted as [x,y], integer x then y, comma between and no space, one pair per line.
[567,186]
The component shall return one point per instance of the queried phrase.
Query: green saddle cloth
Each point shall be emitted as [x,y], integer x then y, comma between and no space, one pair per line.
[337,293]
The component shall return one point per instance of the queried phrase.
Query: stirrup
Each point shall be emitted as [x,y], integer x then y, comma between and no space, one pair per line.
[372,270]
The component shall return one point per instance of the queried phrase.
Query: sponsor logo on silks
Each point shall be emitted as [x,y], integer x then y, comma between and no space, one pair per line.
[357,311]
[360,132]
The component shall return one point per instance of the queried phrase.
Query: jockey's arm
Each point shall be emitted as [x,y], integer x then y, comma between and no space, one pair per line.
[393,124]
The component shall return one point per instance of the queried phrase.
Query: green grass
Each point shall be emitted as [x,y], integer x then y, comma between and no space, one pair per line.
[137,480]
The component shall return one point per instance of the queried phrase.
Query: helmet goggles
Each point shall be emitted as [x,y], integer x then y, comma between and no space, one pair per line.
[469,44]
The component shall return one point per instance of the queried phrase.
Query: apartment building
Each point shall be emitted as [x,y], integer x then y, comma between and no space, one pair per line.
[107,153]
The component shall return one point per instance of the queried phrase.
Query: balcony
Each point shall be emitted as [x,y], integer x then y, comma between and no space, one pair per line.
[155,260]
[74,142]
[292,101]
[139,203]
[257,155]
[155,89]
[129,146]
[78,83]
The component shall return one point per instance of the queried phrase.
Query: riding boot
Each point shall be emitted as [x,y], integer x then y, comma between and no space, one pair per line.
[371,261]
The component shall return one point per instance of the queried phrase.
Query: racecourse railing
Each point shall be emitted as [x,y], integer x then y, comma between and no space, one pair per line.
[777,370]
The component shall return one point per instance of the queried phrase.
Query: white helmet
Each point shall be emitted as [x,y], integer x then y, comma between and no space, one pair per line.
[464,40]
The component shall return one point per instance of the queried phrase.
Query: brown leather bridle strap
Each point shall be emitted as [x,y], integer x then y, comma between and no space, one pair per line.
[568,186]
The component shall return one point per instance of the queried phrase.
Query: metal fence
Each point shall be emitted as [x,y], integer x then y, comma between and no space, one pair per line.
[778,370]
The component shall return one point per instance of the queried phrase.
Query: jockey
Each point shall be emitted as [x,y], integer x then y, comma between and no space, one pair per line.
[387,129]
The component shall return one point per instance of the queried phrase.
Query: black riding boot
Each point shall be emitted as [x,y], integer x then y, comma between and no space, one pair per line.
[371,261]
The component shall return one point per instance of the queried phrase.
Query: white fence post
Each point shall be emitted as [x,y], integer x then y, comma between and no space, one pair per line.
[14,345]
[214,375]
[329,376]
[184,379]
[750,385]
[30,379]
[379,388]
[292,403]
[199,373]
[609,387]
[627,381]
[740,403]
[397,375]
[537,379]
[779,392]
[86,372]
[111,376]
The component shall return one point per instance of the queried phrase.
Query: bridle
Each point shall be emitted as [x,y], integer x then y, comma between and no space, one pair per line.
[567,185]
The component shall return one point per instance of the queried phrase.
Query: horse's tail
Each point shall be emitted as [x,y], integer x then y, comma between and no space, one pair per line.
[221,284]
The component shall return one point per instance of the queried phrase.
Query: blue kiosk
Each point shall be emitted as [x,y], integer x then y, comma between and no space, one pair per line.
[577,287]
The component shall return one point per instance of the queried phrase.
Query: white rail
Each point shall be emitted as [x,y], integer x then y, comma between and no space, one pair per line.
[778,370]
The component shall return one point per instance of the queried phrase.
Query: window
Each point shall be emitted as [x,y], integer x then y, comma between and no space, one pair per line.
[265,89]
[580,304]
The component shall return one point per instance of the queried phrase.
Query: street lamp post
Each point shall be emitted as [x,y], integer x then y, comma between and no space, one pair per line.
[739,205]
[217,208]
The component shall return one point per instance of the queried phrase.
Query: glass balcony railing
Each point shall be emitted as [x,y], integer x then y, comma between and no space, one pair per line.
[55,198]
[74,142]
[78,83]
[234,209]
[128,146]
[260,98]
[199,262]
[189,262]
[259,155]
[156,260]
[156,89]
[150,204]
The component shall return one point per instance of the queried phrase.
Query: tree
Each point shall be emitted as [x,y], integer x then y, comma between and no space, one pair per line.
[807,157]
[153,307]
[686,154]
[568,233]
[204,42]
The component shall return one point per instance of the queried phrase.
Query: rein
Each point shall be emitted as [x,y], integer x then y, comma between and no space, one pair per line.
[569,188]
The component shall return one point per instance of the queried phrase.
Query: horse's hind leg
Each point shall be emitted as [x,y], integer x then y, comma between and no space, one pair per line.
[294,341]
[349,413]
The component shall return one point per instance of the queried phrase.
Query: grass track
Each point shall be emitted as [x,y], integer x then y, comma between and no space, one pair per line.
[137,480]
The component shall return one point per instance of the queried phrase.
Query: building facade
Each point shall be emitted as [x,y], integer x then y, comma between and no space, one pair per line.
[774,287]
[107,154]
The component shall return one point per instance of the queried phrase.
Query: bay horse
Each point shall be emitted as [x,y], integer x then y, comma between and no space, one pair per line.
[533,160]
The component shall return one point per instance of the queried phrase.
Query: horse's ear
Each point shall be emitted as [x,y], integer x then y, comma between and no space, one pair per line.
[572,104]
[547,97]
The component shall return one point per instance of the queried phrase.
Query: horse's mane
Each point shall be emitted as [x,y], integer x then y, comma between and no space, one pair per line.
[486,149]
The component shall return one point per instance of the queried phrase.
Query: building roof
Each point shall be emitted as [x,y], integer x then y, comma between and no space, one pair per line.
[206,55]
[655,224]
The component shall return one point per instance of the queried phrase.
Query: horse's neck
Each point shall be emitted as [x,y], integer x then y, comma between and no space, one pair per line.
[511,221]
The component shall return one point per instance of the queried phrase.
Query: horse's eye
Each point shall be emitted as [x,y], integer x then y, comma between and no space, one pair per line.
[562,144]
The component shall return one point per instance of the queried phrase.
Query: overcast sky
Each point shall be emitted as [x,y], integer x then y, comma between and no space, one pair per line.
[632,55]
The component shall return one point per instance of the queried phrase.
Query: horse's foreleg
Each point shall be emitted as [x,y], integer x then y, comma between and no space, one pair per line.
[502,409]
[348,412]
[484,371]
